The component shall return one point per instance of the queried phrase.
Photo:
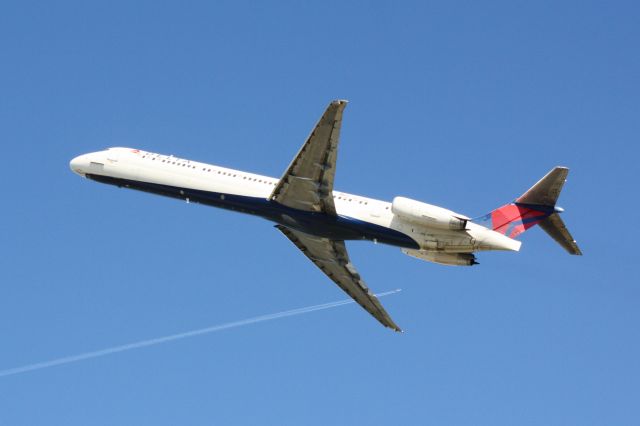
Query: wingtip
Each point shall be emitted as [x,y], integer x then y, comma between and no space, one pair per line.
[395,327]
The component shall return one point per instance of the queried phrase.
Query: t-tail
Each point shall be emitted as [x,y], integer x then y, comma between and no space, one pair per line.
[537,206]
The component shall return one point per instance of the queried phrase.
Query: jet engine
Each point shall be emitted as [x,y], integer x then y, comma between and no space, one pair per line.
[427,214]
[453,259]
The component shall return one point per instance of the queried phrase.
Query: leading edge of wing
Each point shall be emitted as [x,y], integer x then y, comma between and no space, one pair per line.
[331,257]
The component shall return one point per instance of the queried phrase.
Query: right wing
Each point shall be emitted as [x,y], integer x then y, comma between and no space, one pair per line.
[332,259]
[307,184]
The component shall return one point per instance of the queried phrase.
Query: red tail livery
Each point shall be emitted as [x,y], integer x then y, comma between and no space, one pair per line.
[537,206]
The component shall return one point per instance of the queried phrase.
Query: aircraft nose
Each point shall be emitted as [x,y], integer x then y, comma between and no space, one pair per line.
[79,164]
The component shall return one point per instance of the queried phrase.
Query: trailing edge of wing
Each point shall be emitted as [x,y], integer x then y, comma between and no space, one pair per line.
[307,184]
[332,259]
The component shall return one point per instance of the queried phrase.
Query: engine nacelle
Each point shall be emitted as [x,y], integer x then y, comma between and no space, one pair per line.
[427,214]
[453,259]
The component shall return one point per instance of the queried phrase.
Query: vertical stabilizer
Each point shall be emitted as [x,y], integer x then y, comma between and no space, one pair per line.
[537,206]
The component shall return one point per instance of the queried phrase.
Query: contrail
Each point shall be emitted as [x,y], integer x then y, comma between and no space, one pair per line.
[172,337]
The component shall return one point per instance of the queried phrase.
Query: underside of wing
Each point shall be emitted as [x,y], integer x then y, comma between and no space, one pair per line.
[332,259]
[307,183]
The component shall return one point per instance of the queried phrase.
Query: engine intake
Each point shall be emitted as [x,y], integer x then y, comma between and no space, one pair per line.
[427,214]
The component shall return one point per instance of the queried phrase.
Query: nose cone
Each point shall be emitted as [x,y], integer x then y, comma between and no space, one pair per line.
[79,165]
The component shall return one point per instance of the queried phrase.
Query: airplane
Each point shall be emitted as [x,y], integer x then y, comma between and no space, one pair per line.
[318,219]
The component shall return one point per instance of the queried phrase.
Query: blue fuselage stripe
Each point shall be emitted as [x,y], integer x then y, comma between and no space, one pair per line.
[320,224]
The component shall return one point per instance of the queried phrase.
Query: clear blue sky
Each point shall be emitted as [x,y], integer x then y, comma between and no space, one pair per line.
[460,104]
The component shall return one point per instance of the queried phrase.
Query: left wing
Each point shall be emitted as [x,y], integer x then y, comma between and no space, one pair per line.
[332,259]
[307,183]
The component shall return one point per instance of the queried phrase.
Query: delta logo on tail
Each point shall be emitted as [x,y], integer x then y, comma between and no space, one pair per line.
[537,206]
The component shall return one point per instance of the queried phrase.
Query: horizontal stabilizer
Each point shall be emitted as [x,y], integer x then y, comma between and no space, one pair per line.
[547,190]
[555,227]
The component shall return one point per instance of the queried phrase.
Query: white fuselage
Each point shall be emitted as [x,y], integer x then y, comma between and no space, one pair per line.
[358,217]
